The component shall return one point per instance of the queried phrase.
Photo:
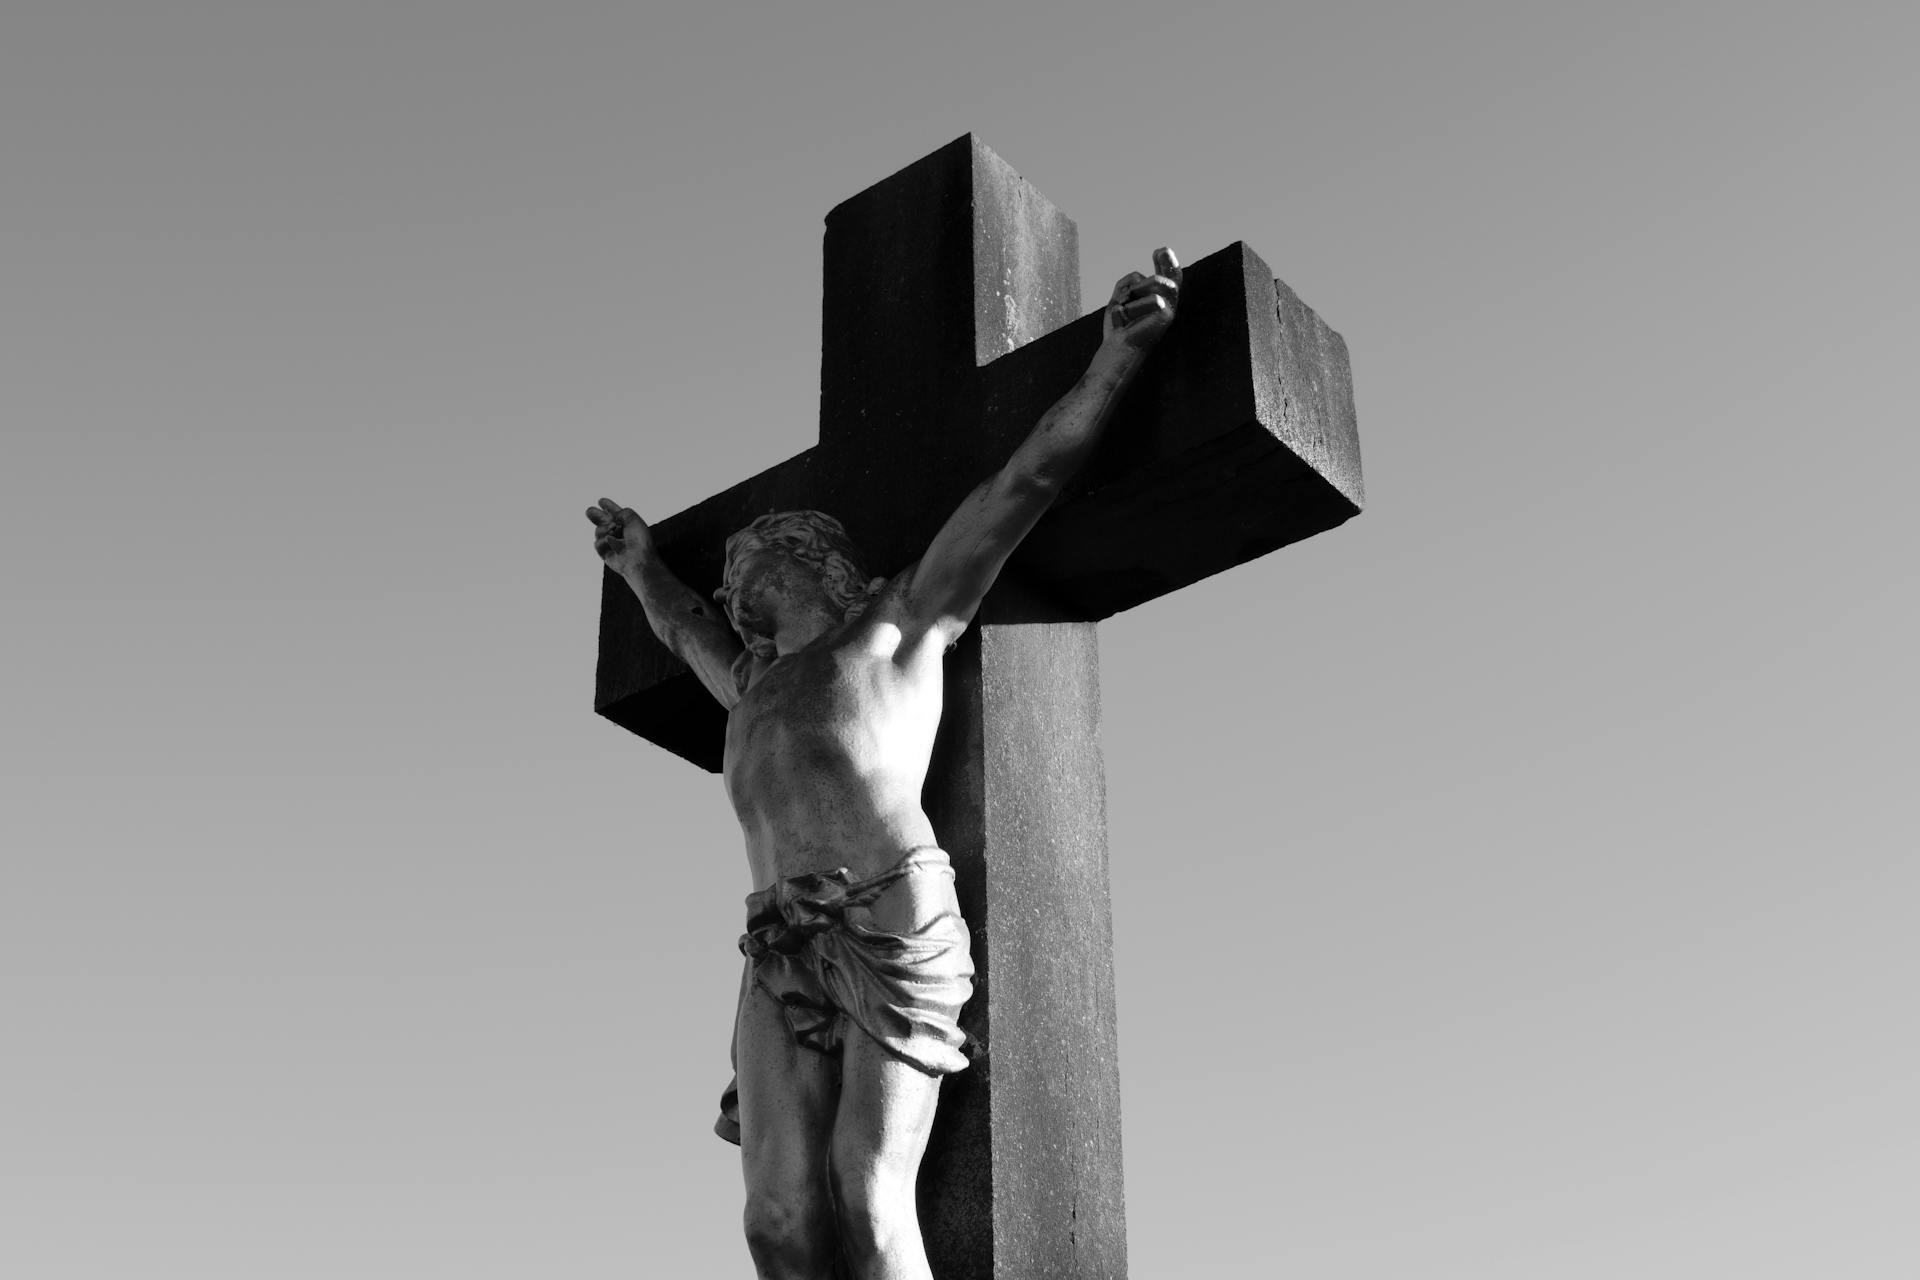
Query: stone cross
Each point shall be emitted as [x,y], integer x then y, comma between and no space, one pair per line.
[951,323]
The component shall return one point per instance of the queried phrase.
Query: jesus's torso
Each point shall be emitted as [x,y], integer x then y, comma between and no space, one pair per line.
[827,752]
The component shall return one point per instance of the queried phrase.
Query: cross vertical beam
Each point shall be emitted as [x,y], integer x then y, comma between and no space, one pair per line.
[1023,1175]
[1029,1145]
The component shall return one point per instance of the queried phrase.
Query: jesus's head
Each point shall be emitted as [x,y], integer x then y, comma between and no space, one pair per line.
[789,559]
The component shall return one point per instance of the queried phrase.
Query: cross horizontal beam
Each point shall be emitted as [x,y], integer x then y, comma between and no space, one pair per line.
[1237,438]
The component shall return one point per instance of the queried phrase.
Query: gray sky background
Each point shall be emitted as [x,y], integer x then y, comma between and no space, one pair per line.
[1516,882]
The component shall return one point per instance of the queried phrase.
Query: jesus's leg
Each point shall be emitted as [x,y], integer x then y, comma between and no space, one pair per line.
[886,1112]
[787,1100]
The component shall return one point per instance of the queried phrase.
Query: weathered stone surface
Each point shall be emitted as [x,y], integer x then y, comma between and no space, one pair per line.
[1029,1139]
[949,328]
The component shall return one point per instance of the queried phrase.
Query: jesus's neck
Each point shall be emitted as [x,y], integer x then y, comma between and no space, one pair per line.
[806,626]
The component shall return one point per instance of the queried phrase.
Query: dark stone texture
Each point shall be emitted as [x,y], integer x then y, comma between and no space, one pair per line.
[1028,1139]
[1059,1207]
[949,311]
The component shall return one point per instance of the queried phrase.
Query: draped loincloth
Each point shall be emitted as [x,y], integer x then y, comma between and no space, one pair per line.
[812,948]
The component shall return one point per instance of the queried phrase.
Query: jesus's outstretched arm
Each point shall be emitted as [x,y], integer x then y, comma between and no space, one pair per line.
[690,626]
[965,557]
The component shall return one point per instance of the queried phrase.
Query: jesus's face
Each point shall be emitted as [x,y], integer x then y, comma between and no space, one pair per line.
[774,587]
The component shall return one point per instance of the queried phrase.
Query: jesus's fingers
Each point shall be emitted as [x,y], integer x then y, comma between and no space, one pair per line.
[1124,286]
[1141,307]
[1161,285]
[1164,263]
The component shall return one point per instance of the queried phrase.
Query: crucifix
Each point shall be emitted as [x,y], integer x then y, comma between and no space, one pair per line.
[950,324]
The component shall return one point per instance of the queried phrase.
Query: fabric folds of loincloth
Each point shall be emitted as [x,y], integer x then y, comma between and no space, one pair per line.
[812,947]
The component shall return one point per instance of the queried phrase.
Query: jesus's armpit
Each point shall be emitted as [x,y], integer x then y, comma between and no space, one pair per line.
[920,633]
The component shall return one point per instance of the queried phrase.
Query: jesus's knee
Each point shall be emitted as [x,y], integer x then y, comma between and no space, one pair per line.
[789,1236]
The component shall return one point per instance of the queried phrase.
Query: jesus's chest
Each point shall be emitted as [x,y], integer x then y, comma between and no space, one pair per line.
[800,695]
[828,699]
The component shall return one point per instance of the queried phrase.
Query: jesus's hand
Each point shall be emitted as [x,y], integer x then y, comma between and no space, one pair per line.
[619,535]
[1142,306]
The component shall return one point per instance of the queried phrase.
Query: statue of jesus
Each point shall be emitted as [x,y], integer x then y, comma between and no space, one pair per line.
[858,961]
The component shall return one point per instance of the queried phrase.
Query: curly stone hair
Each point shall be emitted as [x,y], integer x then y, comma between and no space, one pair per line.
[815,539]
